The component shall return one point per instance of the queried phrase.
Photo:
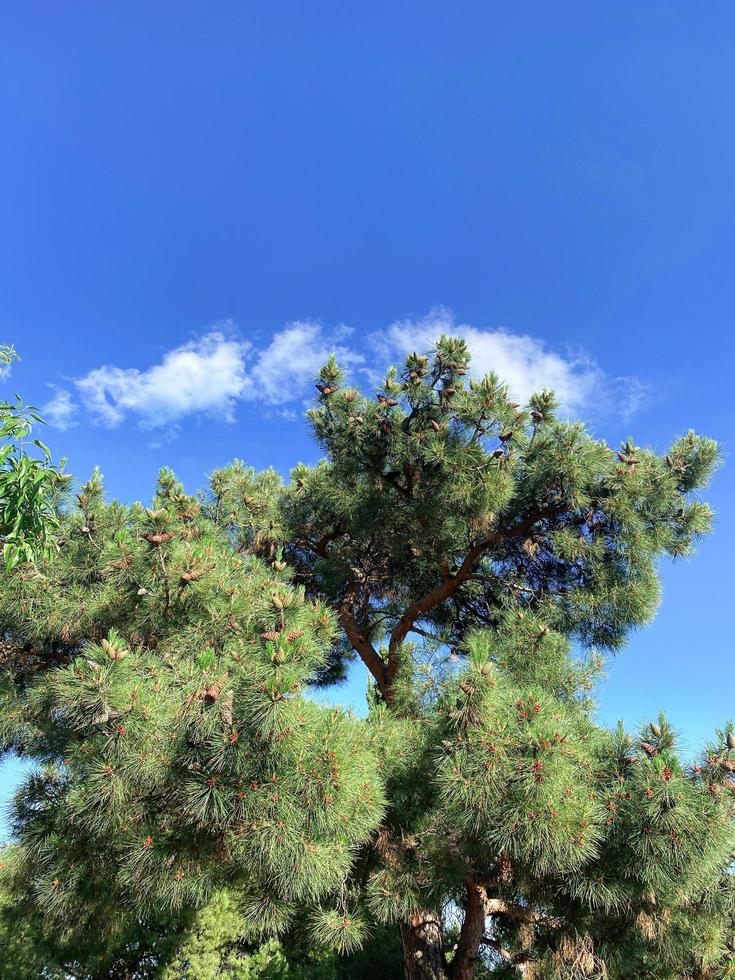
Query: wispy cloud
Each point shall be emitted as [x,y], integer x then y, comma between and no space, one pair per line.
[293,358]
[630,395]
[212,374]
[61,411]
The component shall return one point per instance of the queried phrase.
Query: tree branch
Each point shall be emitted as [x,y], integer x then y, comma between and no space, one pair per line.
[367,652]
[392,478]
[449,585]
[521,913]
[320,546]
[517,959]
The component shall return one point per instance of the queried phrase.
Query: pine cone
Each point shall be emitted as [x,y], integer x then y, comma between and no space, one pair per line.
[158,538]
[211,693]
[627,459]
[730,740]
[649,749]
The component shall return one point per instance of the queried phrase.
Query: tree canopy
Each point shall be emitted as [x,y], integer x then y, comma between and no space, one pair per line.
[441,503]
[481,558]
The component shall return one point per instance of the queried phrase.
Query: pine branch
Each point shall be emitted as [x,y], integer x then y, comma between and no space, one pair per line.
[368,654]
[517,959]
[450,584]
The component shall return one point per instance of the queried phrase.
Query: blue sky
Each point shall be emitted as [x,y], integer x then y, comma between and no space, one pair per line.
[199,201]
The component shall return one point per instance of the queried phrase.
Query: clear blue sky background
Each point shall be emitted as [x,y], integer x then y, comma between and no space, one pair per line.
[563,171]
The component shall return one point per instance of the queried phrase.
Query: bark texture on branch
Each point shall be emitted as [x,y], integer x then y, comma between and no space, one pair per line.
[472,932]
[423,947]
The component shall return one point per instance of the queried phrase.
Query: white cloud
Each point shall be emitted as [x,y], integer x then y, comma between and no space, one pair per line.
[204,376]
[631,394]
[522,362]
[293,358]
[61,411]
[211,374]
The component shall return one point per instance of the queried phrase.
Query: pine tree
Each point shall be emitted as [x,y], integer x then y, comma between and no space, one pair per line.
[481,558]
[448,525]
[177,753]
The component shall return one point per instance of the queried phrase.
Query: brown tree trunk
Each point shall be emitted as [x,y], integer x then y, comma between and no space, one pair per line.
[472,932]
[423,947]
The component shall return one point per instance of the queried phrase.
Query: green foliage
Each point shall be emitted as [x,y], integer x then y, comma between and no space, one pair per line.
[215,942]
[481,557]
[32,947]
[441,502]
[24,954]
[177,753]
[31,487]
[216,945]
